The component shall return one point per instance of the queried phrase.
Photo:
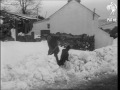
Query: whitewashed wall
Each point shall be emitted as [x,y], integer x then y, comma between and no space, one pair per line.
[102,39]
[75,19]
[1,21]
[39,26]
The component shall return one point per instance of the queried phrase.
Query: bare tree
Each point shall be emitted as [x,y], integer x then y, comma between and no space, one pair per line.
[1,1]
[2,7]
[24,4]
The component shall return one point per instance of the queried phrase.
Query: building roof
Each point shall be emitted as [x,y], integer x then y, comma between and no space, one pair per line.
[42,20]
[62,8]
[67,4]
[23,16]
[19,15]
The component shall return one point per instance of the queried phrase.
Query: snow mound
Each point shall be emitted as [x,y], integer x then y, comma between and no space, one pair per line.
[39,70]
[115,42]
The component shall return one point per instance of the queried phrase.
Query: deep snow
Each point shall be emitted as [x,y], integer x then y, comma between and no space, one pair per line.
[27,66]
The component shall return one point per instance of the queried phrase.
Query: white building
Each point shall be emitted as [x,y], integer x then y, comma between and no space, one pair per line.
[76,19]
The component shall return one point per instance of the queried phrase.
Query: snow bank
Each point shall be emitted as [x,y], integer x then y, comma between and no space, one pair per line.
[38,70]
[115,42]
[12,52]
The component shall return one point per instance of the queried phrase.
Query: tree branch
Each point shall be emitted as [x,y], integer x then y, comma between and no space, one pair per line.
[24,4]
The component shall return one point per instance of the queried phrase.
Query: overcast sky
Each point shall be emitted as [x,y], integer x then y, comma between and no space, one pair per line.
[50,6]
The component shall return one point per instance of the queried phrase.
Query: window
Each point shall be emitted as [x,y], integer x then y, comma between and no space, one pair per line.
[48,26]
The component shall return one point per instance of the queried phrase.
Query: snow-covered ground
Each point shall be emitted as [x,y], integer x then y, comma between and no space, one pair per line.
[26,66]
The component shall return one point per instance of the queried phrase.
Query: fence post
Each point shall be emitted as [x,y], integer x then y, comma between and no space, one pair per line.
[13,33]
[16,29]
[32,34]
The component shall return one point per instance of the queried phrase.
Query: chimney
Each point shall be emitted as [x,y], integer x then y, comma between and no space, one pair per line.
[75,0]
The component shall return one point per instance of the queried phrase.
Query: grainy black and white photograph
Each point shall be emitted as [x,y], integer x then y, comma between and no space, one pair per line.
[59,44]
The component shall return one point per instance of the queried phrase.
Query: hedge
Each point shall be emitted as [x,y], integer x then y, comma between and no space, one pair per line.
[79,42]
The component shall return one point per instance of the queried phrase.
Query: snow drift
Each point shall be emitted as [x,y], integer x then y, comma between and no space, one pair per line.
[38,70]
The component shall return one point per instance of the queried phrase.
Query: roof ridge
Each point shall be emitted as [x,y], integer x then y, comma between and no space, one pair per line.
[70,2]
[58,10]
[89,9]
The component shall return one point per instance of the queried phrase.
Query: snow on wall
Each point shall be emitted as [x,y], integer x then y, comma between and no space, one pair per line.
[115,42]
[102,39]
[39,70]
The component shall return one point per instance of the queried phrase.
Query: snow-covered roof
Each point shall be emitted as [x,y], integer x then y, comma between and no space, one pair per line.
[21,15]
[24,16]
[107,25]
[39,21]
